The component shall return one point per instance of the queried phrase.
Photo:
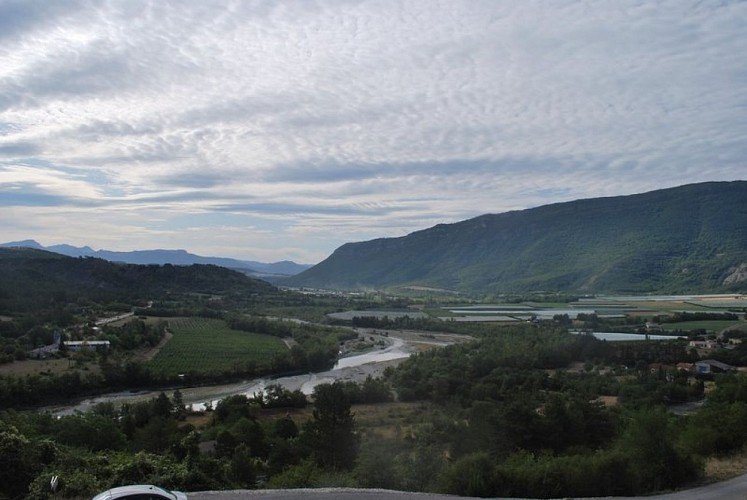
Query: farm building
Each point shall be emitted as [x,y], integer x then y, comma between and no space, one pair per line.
[82,345]
[703,344]
[712,366]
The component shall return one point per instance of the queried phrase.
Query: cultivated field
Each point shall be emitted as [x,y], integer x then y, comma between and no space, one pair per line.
[713,326]
[201,345]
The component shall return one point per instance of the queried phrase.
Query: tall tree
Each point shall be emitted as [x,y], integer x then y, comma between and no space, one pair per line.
[331,432]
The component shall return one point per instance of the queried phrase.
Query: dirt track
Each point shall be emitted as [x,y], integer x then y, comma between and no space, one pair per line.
[151,353]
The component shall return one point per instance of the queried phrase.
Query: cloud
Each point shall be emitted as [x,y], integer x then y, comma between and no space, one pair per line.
[19,149]
[362,119]
[19,16]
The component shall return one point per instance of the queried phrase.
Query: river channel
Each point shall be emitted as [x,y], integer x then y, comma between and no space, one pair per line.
[398,346]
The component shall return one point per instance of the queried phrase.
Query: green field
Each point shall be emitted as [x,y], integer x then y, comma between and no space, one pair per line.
[208,346]
[714,326]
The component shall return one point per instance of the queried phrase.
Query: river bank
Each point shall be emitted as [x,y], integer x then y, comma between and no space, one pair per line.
[396,347]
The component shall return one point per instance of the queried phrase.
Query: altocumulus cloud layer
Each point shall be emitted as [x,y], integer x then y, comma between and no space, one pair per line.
[271,130]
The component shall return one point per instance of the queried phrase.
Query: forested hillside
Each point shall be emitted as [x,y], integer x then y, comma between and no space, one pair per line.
[34,280]
[687,239]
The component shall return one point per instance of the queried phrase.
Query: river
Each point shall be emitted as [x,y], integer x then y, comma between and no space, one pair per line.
[399,346]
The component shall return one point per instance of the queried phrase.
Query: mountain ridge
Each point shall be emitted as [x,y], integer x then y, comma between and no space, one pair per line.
[174,257]
[684,239]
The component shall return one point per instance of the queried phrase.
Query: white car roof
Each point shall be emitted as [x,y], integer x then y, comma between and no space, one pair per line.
[138,489]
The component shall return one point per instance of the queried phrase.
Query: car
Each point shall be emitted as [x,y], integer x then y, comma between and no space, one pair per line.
[140,492]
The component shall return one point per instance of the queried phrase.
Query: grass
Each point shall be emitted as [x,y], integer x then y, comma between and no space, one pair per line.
[715,326]
[666,305]
[209,346]
[723,468]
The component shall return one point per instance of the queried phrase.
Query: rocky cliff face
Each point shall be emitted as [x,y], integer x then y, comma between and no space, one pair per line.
[737,274]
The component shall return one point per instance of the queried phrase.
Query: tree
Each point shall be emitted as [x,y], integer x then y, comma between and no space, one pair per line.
[225,444]
[178,407]
[654,461]
[285,428]
[162,406]
[249,432]
[242,466]
[375,467]
[17,467]
[331,432]
[93,431]
[157,435]
[231,409]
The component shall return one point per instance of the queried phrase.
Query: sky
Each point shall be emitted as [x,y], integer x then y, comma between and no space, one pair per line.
[274,130]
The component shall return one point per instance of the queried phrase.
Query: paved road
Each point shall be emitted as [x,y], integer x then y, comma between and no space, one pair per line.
[317,494]
[733,489]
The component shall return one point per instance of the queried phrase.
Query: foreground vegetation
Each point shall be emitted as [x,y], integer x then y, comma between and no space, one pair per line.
[505,415]
[524,410]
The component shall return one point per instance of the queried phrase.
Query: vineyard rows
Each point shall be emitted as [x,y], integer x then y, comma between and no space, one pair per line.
[209,346]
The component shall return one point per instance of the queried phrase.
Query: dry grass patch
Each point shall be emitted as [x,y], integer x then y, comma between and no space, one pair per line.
[723,468]
[299,415]
[609,401]
[709,386]
[46,367]
[198,420]
[421,346]
[385,420]
[389,420]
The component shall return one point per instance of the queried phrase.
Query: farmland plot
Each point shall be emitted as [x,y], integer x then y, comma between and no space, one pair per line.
[209,346]
[714,326]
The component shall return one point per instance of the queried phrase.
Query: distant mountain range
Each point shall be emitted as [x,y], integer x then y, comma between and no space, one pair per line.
[175,257]
[687,239]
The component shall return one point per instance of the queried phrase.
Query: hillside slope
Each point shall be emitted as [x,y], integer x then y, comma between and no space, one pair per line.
[32,279]
[687,239]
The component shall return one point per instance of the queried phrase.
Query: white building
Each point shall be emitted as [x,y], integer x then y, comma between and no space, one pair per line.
[82,345]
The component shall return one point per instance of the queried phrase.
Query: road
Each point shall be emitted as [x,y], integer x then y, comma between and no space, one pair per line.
[733,489]
[318,494]
[106,321]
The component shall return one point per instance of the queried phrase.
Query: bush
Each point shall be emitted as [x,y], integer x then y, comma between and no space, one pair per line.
[472,475]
